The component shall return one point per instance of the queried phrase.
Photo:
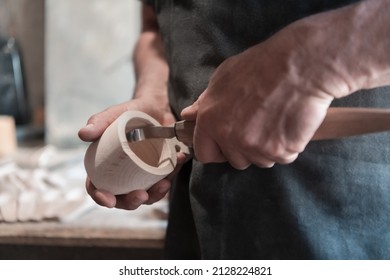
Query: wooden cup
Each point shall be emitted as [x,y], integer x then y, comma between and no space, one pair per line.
[115,165]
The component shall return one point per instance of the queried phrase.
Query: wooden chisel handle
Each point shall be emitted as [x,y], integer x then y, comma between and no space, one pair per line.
[184,131]
[338,123]
[344,122]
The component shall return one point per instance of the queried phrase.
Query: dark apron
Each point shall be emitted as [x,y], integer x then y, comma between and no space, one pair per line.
[333,202]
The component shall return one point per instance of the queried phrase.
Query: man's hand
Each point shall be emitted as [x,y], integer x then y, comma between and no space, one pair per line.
[97,124]
[150,97]
[263,106]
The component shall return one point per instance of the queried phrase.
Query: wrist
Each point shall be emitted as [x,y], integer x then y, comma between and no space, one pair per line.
[155,95]
[347,49]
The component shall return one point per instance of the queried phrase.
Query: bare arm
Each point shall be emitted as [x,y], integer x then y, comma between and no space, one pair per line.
[150,97]
[351,43]
[150,65]
[277,93]
[150,94]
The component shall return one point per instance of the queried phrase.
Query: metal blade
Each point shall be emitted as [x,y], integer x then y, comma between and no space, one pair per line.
[150,132]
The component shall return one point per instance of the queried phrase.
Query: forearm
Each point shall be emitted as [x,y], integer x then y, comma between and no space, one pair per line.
[151,89]
[375,43]
[352,45]
[150,66]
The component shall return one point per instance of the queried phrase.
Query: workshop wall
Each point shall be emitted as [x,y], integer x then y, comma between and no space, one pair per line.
[24,20]
[88,65]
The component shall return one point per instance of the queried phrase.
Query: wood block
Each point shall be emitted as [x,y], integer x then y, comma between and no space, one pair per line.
[8,143]
[8,200]
[8,207]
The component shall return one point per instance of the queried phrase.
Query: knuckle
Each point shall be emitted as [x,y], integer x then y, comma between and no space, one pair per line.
[249,142]
[277,150]
[265,164]
[200,156]
[239,165]
[94,118]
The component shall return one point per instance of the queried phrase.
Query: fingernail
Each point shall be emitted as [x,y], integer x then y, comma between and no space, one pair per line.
[163,189]
[107,201]
[186,109]
[88,126]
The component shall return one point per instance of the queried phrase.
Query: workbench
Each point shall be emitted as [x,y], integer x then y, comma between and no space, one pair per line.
[88,231]
[119,236]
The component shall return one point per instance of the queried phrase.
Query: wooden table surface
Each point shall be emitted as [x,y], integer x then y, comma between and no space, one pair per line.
[92,225]
[97,234]
[58,234]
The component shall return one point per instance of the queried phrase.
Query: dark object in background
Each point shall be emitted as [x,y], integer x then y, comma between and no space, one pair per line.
[13,98]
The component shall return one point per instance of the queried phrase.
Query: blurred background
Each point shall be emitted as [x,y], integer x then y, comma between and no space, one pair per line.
[76,58]
[60,62]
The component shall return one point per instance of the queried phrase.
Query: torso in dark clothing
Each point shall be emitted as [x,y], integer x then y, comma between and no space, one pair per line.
[331,203]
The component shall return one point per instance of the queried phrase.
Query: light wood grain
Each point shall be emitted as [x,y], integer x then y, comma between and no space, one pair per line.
[345,122]
[119,167]
[55,233]
[185,132]
[8,143]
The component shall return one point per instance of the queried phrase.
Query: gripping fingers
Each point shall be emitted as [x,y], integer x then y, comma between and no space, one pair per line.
[206,150]
[102,198]
[132,200]
[158,191]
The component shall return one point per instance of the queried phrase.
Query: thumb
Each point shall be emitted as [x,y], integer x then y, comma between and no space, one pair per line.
[205,148]
[98,123]
[92,131]
[190,113]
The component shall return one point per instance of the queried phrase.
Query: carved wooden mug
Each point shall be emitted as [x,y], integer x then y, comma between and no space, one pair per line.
[115,165]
